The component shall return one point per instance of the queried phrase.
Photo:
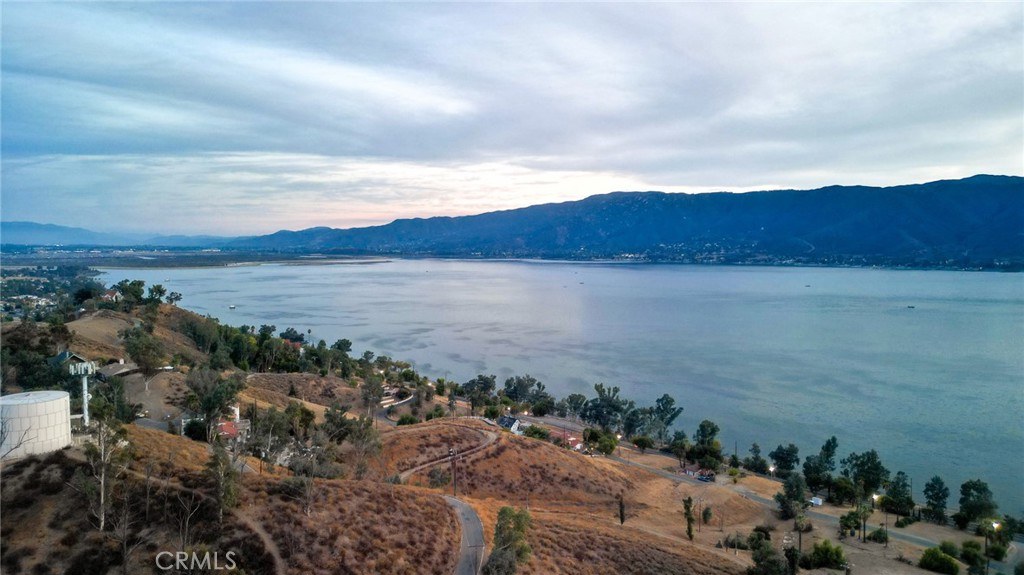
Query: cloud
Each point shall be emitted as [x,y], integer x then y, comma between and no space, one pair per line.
[417,109]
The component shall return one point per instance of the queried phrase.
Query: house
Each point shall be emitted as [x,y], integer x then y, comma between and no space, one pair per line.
[119,369]
[510,423]
[575,443]
[111,295]
[63,358]
[234,430]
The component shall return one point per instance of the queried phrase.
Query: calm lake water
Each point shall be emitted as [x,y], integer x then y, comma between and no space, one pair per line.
[927,367]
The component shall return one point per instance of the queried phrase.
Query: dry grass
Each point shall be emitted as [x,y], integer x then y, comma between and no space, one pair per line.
[308,387]
[577,544]
[264,399]
[166,449]
[46,527]
[409,446]
[358,527]
[96,335]
[517,468]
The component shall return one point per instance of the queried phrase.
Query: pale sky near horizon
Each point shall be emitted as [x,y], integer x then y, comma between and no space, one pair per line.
[232,118]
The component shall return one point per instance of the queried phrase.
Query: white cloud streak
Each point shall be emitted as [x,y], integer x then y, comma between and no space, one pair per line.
[295,114]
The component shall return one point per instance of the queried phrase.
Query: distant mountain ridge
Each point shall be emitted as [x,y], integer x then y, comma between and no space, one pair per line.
[950,223]
[972,222]
[34,234]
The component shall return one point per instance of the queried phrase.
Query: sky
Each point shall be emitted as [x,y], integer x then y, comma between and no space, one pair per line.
[235,118]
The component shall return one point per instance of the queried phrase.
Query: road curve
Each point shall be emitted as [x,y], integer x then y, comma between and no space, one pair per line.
[471,550]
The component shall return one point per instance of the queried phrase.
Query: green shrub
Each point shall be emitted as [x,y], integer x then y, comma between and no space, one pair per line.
[408,419]
[937,561]
[824,554]
[878,536]
[997,551]
[949,548]
[439,477]
[971,555]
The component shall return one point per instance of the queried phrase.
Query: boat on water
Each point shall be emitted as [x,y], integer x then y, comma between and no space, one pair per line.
[232,306]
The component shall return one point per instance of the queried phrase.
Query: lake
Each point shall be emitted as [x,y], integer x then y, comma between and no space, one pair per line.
[927,367]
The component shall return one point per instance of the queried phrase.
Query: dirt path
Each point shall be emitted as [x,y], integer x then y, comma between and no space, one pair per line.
[268,542]
[489,438]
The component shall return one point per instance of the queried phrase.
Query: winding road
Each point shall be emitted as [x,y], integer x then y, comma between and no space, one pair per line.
[471,550]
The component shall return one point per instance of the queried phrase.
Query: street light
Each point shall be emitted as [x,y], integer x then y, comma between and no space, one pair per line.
[618,440]
[995,525]
[771,470]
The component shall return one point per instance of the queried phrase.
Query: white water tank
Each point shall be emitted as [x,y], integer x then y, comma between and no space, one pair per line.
[40,420]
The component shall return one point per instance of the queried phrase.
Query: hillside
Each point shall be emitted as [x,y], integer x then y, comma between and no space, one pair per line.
[977,221]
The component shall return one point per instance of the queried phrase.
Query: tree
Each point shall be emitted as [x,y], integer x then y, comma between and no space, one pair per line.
[705,515]
[767,560]
[843,490]
[755,462]
[662,415]
[509,546]
[605,410]
[156,293]
[706,446]
[518,388]
[365,442]
[131,293]
[574,404]
[336,425]
[678,447]
[479,390]
[144,348]
[293,335]
[793,497]
[121,532]
[224,478]
[785,458]
[688,514]
[818,468]
[976,500]
[108,455]
[643,443]
[898,498]
[173,298]
[866,470]
[622,509]
[372,393]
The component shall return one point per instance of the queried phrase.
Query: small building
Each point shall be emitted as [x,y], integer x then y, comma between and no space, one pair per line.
[510,423]
[119,369]
[63,358]
[111,295]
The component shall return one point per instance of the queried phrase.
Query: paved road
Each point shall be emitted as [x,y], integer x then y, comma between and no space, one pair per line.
[471,551]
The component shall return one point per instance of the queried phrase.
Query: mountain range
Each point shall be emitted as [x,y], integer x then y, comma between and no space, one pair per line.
[976,221]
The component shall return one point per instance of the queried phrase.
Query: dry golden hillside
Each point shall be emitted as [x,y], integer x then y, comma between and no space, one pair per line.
[308,387]
[409,446]
[519,467]
[357,527]
[565,543]
[96,334]
[47,527]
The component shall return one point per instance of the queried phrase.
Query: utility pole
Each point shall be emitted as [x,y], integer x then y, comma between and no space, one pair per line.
[452,453]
